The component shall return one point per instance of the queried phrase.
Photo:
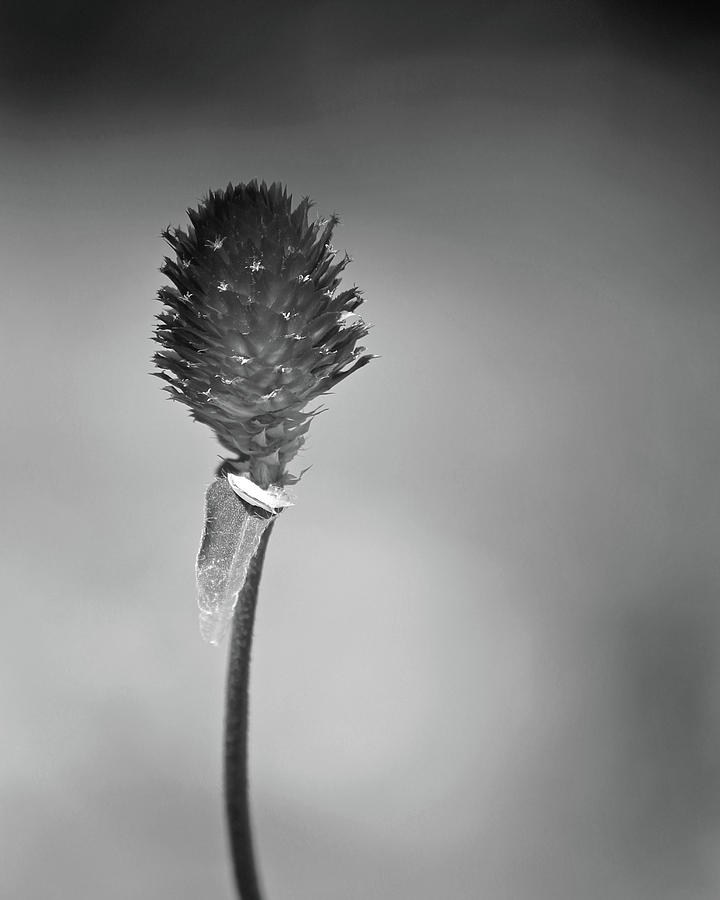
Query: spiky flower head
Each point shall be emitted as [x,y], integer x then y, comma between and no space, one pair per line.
[254,327]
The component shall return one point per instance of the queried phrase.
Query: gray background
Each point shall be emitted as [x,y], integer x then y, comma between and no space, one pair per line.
[486,661]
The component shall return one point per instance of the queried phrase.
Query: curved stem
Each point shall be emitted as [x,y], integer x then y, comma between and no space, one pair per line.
[236,732]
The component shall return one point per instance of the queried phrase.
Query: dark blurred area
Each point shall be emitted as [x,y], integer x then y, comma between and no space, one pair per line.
[235,51]
[488,651]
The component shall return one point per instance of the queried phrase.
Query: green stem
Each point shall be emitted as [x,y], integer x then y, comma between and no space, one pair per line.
[236,732]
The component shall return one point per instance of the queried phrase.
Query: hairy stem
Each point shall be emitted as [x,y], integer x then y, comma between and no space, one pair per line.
[236,732]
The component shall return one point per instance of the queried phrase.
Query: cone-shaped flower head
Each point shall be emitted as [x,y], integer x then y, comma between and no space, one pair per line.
[254,327]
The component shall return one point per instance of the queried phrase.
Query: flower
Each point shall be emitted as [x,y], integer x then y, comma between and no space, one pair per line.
[253,326]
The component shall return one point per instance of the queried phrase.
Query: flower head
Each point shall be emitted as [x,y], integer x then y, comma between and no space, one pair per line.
[254,327]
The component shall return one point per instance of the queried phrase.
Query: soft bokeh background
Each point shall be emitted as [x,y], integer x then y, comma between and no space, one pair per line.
[487,656]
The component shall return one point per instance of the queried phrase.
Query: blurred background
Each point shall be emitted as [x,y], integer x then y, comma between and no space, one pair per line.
[487,659]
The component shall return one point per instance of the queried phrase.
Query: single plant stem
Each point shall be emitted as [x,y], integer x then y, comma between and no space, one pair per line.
[237,804]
